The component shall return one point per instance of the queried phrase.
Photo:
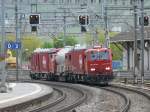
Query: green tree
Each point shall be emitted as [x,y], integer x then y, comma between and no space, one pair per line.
[68,41]
[31,43]
[88,39]
[117,51]
[58,42]
[47,45]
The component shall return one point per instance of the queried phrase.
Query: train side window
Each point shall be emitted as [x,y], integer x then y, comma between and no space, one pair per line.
[93,56]
[65,57]
[69,57]
[51,56]
[85,57]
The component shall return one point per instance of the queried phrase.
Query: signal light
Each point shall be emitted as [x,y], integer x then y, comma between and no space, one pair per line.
[83,20]
[146,21]
[87,20]
[34,19]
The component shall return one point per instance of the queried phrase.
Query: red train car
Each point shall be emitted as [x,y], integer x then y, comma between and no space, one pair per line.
[52,64]
[34,65]
[43,63]
[74,62]
[89,65]
[98,64]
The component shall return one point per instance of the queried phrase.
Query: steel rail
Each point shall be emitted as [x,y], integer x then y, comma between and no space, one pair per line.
[127,104]
[136,90]
[78,101]
[132,89]
[60,99]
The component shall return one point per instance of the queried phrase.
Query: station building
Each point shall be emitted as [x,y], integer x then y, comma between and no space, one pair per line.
[126,39]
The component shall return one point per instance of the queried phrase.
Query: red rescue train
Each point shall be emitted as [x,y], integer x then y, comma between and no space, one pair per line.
[73,64]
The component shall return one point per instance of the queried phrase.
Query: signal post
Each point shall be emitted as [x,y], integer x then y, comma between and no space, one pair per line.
[3,87]
[145,21]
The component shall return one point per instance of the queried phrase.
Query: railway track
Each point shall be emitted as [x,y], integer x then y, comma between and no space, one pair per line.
[52,102]
[126,99]
[64,98]
[133,98]
[74,96]
[138,99]
[37,104]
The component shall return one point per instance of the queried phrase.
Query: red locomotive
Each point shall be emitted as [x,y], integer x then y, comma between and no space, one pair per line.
[73,64]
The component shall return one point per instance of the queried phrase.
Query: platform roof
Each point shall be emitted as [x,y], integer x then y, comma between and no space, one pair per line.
[129,36]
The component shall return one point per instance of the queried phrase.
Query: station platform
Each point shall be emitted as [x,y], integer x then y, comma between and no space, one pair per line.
[22,92]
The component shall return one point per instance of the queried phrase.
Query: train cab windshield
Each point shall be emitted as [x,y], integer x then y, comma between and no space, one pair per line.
[99,55]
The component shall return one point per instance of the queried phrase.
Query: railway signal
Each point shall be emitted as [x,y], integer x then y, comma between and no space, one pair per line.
[83,20]
[146,21]
[34,19]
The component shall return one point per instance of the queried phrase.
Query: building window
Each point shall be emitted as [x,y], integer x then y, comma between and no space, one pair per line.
[123,2]
[115,2]
[53,1]
[61,1]
[68,1]
[6,15]
[12,1]
[77,1]
[111,1]
[99,1]
[131,2]
[45,1]
[93,1]
[21,1]
[28,2]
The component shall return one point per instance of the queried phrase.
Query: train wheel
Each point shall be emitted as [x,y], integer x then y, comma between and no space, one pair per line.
[74,79]
[31,76]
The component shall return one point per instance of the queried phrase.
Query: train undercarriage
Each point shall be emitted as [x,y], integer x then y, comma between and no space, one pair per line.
[73,78]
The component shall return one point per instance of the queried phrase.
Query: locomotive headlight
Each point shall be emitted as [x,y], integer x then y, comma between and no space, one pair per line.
[92,69]
[107,68]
